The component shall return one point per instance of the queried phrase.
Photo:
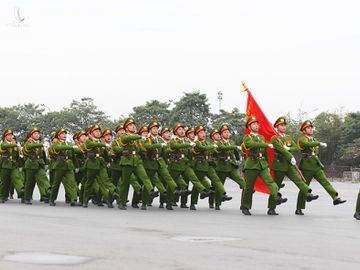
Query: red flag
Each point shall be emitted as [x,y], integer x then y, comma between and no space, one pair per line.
[266,129]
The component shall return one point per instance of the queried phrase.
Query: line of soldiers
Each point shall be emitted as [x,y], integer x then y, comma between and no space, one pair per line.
[101,168]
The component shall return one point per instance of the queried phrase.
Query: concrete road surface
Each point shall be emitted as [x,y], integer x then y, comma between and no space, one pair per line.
[43,237]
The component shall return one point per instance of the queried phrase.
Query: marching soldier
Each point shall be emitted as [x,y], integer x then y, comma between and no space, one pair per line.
[202,167]
[179,164]
[80,156]
[357,211]
[227,161]
[284,164]
[35,167]
[311,166]
[257,165]
[215,138]
[10,172]
[131,163]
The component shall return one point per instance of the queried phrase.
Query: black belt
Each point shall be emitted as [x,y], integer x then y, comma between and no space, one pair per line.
[129,154]
[256,156]
[177,157]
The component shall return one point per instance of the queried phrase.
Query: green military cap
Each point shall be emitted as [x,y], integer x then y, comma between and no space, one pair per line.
[80,133]
[306,124]
[106,132]
[143,129]
[59,131]
[128,122]
[176,127]
[119,127]
[32,131]
[250,120]
[224,127]
[153,124]
[189,131]
[94,127]
[213,132]
[7,132]
[199,128]
[164,129]
[280,121]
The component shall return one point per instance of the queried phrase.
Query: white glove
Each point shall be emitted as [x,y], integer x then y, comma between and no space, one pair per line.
[108,145]
[163,144]
[239,147]
[216,146]
[18,145]
[75,147]
[108,165]
[192,144]
[293,161]
[77,170]
[323,144]
[287,148]
[144,138]
[20,169]
[271,145]
[46,167]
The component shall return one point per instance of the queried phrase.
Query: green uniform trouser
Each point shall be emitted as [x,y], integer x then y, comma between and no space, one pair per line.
[320,176]
[358,204]
[126,179]
[293,175]
[101,177]
[250,176]
[189,175]
[216,184]
[155,180]
[8,177]
[67,177]
[36,176]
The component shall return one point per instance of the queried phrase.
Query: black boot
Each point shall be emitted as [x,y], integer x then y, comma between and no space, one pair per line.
[143,206]
[161,205]
[357,216]
[52,203]
[225,198]
[311,197]
[85,205]
[204,194]
[211,206]
[192,207]
[169,207]
[73,204]
[28,202]
[135,205]
[110,205]
[149,205]
[217,207]
[178,193]
[280,200]
[2,201]
[100,203]
[246,212]
[299,212]
[185,192]
[183,205]
[272,212]
[338,201]
[154,194]
[175,204]
[122,207]
[282,185]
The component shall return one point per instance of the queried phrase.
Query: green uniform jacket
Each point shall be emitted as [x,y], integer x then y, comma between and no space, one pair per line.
[226,156]
[257,155]
[115,155]
[201,155]
[95,151]
[34,153]
[178,154]
[282,156]
[10,158]
[309,148]
[130,153]
[153,153]
[64,156]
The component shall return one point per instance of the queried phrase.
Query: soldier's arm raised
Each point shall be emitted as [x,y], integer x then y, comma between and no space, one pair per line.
[30,146]
[116,148]
[304,142]
[175,145]
[8,145]
[60,147]
[203,147]
[250,143]
[125,138]
[91,144]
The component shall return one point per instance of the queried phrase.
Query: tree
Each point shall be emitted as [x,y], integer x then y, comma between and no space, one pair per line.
[192,109]
[153,110]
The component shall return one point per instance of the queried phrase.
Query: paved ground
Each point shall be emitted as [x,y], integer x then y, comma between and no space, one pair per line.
[326,238]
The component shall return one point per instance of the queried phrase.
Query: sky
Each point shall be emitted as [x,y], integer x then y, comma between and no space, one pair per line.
[300,57]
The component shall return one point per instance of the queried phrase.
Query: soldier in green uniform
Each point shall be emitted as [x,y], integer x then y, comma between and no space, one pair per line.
[215,139]
[10,173]
[179,164]
[357,211]
[115,159]
[96,170]
[80,156]
[52,157]
[64,166]
[257,165]
[132,163]
[284,164]
[311,166]
[227,155]
[35,167]
[201,154]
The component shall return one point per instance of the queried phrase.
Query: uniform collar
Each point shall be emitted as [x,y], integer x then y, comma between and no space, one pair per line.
[254,134]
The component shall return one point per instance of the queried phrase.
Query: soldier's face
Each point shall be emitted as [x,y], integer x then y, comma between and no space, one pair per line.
[191,136]
[154,131]
[96,133]
[201,135]
[35,136]
[255,127]
[83,138]
[166,135]
[9,137]
[120,132]
[54,140]
[216,137]
[62,136]
[131,128]
[144,134]
[225,134]
[108,138]
[309,131]
[281,128]
[180,132]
